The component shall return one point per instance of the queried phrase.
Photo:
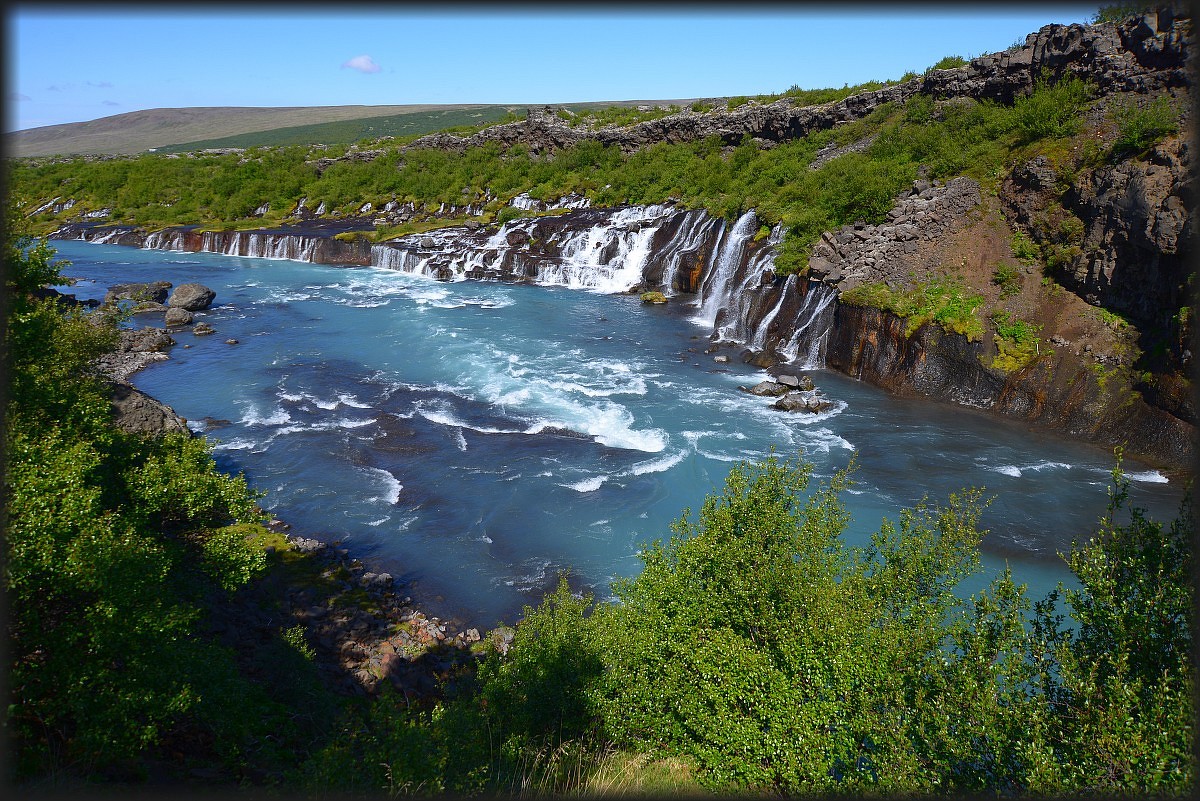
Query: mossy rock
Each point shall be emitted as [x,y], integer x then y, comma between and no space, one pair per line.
[653,297]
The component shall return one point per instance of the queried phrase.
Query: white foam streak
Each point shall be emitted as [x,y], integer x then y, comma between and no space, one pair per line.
[389,487]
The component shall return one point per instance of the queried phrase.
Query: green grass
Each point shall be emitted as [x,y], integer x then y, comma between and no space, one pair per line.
[1017,342]
[946,301]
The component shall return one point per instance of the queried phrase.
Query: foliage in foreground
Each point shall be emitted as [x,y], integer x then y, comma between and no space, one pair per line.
[114,546]
[757,651]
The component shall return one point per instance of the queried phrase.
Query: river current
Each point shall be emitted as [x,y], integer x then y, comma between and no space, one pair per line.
[476,438]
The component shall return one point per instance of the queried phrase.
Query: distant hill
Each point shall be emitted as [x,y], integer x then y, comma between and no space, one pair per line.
[347,131]
[179,129]
[138,131]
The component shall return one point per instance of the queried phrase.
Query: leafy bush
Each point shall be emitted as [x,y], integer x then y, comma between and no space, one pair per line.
[112,541]
[948,63]
[1119,12]
[1053,109]
[1008,278]
[1024,248]
[508,214]
[1139,127]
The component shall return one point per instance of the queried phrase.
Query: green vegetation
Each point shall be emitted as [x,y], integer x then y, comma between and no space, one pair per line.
[116,547]
[1119,12]
[945,301]
[653,297]
[1016,340]
[755,651]
[1052,110]
[1140,126]
[1024,248]
[620,116]
[978,139]
[758,652]
[1008,278]
[948,63]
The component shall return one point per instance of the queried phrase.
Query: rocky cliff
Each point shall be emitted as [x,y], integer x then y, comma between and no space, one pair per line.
[1142,54]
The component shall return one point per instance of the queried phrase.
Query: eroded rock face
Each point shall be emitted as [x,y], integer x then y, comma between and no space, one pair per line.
[1124,230]
[191,297]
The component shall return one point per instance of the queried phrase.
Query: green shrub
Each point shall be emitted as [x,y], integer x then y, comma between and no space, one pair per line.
[1008,278]
[1053,109]
[1017,342]
[1024,248]
[735,102]
[1139,127]
[508,214]
[946,301]
[948,63]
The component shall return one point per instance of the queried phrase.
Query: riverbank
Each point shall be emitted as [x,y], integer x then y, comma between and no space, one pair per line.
[362,626]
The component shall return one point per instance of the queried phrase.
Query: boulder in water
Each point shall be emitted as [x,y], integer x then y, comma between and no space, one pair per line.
[800,382]
[147,292]
[177,316]
[766,389]
[192,297]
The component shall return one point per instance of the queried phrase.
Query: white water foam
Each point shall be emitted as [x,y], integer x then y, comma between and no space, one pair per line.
[587,484]
[253,417]
[389,487]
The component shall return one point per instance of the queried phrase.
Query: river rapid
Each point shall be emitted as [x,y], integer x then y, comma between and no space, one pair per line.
[476,438]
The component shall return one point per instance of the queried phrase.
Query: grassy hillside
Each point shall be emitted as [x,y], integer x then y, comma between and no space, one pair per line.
[138,131]
[176,130]
[347,131]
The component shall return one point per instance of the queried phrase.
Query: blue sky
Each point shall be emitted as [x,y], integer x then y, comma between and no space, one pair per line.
[71,63]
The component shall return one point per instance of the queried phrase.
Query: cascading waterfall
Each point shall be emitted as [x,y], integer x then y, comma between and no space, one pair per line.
[608,257]
[759,341]
[716,286]
[165,240]
[739,309]
[697,227]
[806,347]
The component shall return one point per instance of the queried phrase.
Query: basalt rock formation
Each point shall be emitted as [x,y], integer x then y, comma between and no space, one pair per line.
[1142,54]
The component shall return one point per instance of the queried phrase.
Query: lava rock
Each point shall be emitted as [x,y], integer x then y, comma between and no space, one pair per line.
[177,316]
[192,297]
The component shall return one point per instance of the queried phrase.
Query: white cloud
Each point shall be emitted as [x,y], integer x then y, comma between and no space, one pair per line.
[14,97]
[362,64]
[110,103]
[100,84]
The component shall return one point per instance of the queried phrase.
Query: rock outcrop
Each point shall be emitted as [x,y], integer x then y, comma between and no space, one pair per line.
[858,253]
[1121,232]
[1142,54]
[138,413]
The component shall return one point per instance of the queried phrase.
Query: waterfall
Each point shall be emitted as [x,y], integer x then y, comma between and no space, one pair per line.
[164,240]
[759,340]
[607,257]
[716,285]
[697,227]
[740,307]
[813,321]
